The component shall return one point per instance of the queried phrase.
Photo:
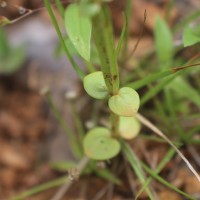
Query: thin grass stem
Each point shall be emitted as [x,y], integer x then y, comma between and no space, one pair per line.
[54,21]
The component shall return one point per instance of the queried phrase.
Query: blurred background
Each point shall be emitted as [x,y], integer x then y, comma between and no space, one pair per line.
[31,63]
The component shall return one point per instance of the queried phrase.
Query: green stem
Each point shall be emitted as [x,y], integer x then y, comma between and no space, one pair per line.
[135,163]
[78,122]
[76,148]
[115,124]
[104,39]
[103,35]
[54,21]
[161,165]
[164,182]
[40,188]
[90,66]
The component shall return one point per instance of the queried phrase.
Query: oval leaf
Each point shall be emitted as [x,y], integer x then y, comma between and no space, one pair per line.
[79,30]
[95,85]
[129,127]
[99,145]
[126,103]
[163,40]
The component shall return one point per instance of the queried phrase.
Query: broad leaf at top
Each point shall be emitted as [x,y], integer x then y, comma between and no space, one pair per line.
[79,30]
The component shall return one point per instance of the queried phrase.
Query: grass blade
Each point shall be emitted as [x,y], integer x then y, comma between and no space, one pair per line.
[152,127]
[54,21]
[164,49]
[133,160]
[157,76]
[164,182]
[164,161]
[151,93]
[40,188]
[165,82]
[122,36]
[76,147]
[184,89]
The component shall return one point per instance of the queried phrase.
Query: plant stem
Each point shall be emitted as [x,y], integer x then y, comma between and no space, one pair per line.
[103,35]
[76,147]
[104,39]
[115,124]
[54,21]
[40,188]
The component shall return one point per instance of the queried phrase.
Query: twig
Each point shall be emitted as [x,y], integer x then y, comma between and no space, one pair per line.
[63,189]
[147,123]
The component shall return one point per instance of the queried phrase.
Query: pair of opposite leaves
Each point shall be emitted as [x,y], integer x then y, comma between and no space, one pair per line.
[125,103]
[98,143]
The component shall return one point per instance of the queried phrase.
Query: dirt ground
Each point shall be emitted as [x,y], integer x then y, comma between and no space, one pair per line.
[26,123]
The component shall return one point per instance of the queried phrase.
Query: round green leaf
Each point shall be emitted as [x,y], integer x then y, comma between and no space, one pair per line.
[126,103]
[95,85]
[99,145]
[129,127]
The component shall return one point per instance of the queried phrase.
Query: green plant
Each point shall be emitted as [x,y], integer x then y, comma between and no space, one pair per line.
[11,59]
[89,22]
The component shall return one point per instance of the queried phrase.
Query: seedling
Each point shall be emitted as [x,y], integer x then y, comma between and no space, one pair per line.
[89,23]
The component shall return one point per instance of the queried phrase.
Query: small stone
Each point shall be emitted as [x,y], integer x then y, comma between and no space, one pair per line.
[90,124]
[3,4]
[21,10]
[71,95]
[45,91]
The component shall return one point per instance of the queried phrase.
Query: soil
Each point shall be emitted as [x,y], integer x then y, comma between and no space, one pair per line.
[26,124]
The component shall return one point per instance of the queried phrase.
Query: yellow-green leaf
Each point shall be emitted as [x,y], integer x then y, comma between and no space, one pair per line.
[95,85]
[99,145]
[125,103]
[79,29]
[129,127]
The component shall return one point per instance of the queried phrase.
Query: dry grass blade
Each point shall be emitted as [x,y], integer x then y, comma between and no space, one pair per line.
[148,124]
